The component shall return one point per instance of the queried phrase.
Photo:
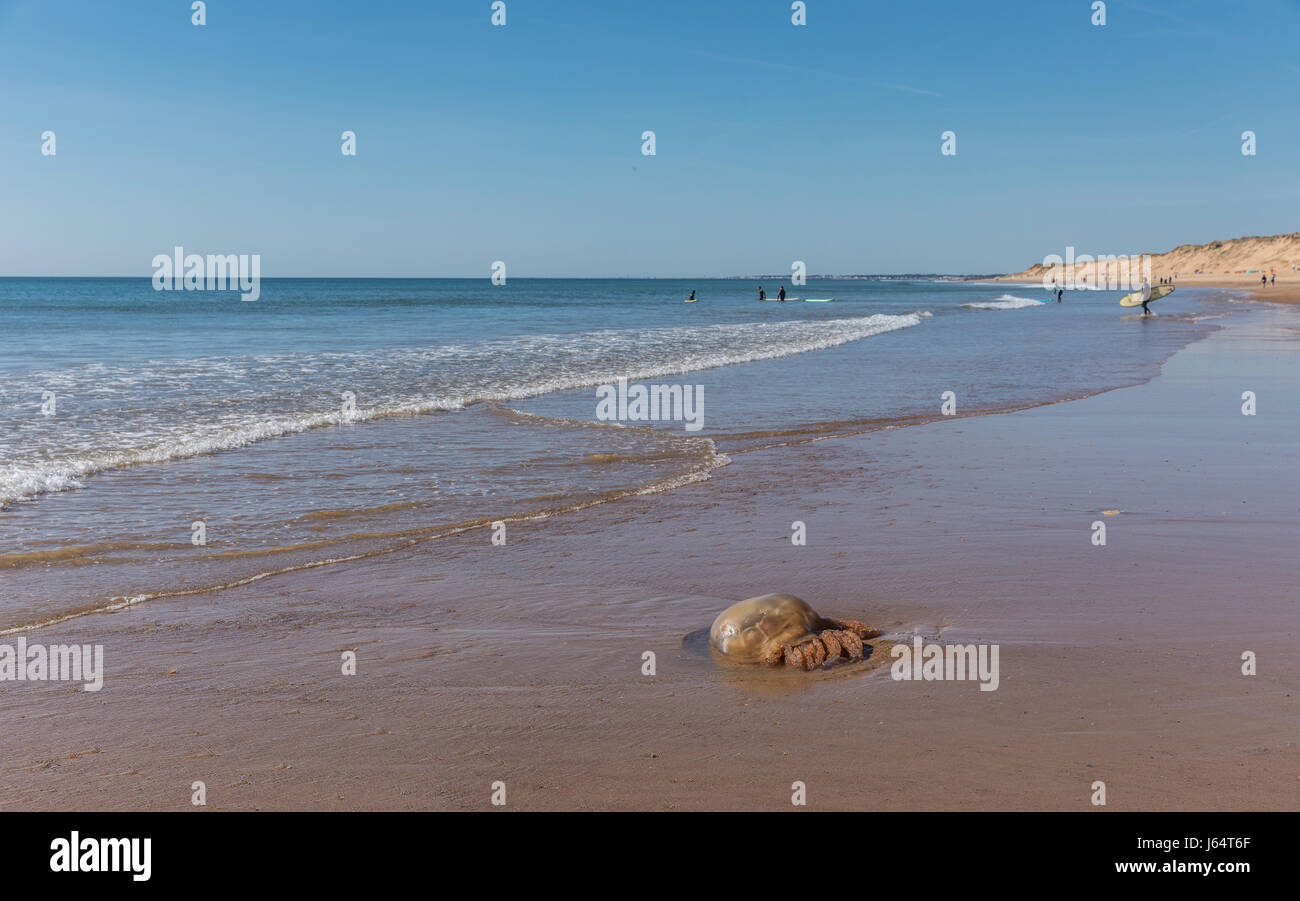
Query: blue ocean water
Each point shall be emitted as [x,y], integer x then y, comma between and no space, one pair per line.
[335,415]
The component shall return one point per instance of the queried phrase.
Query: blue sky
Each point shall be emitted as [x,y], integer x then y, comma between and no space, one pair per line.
[774,142]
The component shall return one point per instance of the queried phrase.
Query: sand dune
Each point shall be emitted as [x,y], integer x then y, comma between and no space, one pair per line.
[1238,262]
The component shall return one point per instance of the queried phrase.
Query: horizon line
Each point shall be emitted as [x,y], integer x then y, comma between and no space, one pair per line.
[465,278]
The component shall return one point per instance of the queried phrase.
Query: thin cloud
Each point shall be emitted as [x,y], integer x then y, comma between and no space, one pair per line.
[821,73]
[1197,25]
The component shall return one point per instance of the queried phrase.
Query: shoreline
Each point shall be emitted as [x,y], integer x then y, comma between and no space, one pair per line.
[352,550]
[1286,293]
[522,662]
[90,576]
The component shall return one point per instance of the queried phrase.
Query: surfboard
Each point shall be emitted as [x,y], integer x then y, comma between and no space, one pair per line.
[817,299]
[777,299]
[1135,299]
[689,300]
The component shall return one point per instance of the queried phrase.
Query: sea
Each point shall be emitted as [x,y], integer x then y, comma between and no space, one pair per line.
[165,444]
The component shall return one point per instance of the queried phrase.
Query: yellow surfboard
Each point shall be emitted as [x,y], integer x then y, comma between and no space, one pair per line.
[1135,299]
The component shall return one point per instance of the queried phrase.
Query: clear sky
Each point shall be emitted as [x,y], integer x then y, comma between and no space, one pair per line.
[523,143]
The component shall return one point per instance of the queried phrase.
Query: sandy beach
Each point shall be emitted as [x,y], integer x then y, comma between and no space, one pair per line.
[523,663]
[1287,290]
[1237,264]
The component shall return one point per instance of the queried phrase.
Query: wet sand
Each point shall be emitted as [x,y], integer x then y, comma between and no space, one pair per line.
[1285,290]
[522,663]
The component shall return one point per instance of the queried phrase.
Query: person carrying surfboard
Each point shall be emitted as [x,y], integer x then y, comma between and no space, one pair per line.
[1146,297]
[781,294]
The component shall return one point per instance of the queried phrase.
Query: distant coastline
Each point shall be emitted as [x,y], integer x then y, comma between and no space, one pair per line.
[905,276]
[1267,265]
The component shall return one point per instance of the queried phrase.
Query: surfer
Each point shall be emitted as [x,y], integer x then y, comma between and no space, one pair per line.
[781,294]
[1059,293]
[692,297]
[1146,297]
[762,295]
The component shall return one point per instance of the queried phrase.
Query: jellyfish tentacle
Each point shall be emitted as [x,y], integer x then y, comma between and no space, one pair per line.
[862,630]
[837,640]
[850,641]
[834,649]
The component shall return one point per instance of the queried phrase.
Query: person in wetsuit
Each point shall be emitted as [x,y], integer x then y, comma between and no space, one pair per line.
[781,294]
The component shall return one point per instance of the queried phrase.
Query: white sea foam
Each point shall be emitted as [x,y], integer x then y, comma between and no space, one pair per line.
[712,461]
[173,409]
[1005,302]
